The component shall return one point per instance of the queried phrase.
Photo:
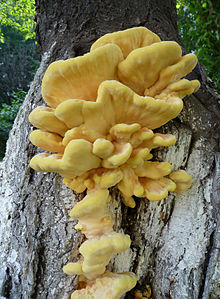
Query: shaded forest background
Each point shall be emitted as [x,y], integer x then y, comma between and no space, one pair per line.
[198,22]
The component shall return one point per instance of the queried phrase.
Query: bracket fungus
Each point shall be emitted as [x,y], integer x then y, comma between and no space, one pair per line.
[98,131]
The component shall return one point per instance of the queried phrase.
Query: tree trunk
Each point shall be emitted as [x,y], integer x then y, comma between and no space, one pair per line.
[175,241]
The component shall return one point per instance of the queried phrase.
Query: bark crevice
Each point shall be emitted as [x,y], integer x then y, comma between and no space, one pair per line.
[206,264]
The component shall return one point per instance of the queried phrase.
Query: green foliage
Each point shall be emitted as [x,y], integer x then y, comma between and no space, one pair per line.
[7,116]
[199,28]
[18,14]
[9,112]
[18,62]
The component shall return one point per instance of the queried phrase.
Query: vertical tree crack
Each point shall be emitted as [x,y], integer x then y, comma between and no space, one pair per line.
[7,287]
[206,264]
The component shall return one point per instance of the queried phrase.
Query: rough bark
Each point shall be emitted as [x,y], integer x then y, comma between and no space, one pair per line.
[175,242]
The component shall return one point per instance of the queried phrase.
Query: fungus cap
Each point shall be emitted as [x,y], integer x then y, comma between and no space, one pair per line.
[182,180]
[108,285]
[128,40]
[98,252]
[77,159]
[141,69]
[80,77]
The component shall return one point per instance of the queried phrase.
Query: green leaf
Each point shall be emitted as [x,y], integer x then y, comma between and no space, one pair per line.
[199,30]
[19,15]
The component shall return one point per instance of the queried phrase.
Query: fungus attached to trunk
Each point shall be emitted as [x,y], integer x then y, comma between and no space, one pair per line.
[99,127]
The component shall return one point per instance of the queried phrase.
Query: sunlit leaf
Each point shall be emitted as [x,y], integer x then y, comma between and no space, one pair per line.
[19,15]
[199,30]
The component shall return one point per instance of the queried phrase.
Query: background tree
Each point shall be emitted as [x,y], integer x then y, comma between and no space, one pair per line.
[18,60]
[174,242]
[199,25]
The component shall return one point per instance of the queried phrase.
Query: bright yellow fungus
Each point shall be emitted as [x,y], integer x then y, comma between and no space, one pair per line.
[51,142]
[102,148]
[128,40]
[98,132]
[63,79]
[44,118]
[182,180]
[141,69]
[106,286]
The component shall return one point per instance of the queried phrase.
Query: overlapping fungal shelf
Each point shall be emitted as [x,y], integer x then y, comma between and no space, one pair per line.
[98,132]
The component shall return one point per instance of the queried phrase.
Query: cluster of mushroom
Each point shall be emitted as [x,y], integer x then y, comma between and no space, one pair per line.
[103,108]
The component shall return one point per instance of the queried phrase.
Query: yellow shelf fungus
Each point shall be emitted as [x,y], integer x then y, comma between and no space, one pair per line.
[128,40]
[107,286]
[182,179]
[98,129]
[66,76]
